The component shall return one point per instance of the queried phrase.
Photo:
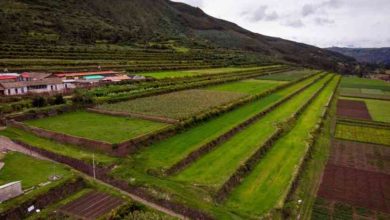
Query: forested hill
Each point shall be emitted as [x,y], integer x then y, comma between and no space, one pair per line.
[379,56]
[141,21]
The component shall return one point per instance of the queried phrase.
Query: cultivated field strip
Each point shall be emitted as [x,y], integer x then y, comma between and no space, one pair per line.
[168,152]
[248,166]
[215,168]
[209,146]
[128,92]
[267,186]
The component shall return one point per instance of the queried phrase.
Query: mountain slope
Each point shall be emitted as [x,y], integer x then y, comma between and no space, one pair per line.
[129,21]
[380,56]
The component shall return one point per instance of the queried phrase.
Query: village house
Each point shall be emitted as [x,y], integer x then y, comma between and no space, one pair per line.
[31,86]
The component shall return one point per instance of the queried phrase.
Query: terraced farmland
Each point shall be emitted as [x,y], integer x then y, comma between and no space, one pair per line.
[217,166]
[237,145]
[269,182]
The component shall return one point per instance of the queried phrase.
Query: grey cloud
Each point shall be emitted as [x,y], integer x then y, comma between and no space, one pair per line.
[262,14]
[297,23]
[308,9]
[323,21]
[332,3]
[272,17]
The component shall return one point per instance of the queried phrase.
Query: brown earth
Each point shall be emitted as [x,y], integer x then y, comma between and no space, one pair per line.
[369,157]
[356,187]
[353,109]
[91,206]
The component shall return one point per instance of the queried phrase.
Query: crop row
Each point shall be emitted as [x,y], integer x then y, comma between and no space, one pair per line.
[267,186]
[209,146]
[216,167]
[168,152]
[171,87]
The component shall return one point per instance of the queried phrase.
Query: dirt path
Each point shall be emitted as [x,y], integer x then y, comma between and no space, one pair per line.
[7,144]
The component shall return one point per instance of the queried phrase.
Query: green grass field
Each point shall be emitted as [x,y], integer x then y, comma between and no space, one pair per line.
[99,127]
[379,109]
[188,73]
[166,153]
[269,182]
[30,171]
[216,167]
[177,105]
[250,86]
[362,83]
[62,149]
[363,134]
[288,76]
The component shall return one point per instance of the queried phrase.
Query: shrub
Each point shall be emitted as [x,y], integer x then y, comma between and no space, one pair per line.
[59,99]
[39,102]
[82,99]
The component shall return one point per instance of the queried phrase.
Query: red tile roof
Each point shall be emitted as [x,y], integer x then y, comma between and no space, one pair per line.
[8,77]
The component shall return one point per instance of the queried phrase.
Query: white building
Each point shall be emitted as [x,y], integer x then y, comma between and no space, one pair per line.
[10,190]
[38,86]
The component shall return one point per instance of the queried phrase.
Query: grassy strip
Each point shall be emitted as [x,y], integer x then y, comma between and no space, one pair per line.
[204,149]
[268,184]
[364,134]
[187,73]
[32,173]
[216,167]
[310,180]
[168,152]
[99,127]
[62,149]
[287,76]
[250,86]
[359,83]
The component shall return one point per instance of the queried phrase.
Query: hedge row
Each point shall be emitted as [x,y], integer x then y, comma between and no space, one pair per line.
[311,142]
[250,164]
[204,149]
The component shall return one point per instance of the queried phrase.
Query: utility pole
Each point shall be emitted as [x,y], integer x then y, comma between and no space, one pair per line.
[93,166]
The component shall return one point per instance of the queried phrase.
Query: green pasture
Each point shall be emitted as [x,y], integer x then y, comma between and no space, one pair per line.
[250,86]
[288,76]
[267,185]
[189,73]
[363,83]
[99,127]
[30,171]
[56,147]
[374,135]
[217,166]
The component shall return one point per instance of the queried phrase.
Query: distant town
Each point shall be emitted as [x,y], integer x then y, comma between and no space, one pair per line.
[12,84]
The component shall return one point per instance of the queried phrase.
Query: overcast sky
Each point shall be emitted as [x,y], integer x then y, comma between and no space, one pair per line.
[324,23]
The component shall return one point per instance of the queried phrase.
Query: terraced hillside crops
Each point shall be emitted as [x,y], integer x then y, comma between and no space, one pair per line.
[238,151]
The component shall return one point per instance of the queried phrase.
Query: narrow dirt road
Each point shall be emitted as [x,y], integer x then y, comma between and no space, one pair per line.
[7,144]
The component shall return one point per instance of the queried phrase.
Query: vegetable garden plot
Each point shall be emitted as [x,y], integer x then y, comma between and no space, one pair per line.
[356,187]
[91,206]
[367,134]
[176,105]
[353,109]
[369,157]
